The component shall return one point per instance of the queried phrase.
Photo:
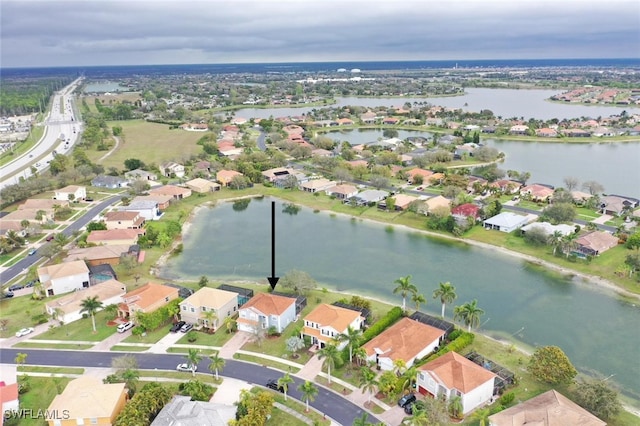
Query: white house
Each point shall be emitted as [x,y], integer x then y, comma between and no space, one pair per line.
[326,322]
[407,340]
[267,310]
[148,209]
[67,308]
[64,277]
[172,168]
[550,229]
[454,375]
[70,193]
[506,222]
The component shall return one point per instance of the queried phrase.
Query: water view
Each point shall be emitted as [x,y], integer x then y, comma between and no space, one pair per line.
[523,302]
[106,86]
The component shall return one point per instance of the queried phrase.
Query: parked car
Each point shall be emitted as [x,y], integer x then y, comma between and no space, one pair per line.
[409,408]
[186,328]
[16,287]
[185,367]
[126,326]
[273,384]
[7,295]
[30,284]
[31,252]
[177,326]
[24,332]
[88,199]
[49,237]
[407,399]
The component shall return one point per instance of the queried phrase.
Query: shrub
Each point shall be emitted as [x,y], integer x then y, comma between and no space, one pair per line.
[192,336]
[507,399]
[463,340]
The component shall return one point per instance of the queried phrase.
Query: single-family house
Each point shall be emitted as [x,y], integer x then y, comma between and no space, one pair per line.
[177,192]
[222,303]
[164,201]
[9,401]
[115,236]
[88,401]
[147,209]
[436,203]
[343,191]
[67,308]
[317,185]
[463,211]
[45,204]
[537,192]
[406,340]
[595,243]
[424,174]
[71,193]
[403,201]
[549,229]
[580,197]
[64,277]
[616,204]
[506,186]
[266,310]
[519,129]
[454,375]
[271,175]
[32,215]
[98,255]
[123,220]
[370,196]
[319,152]
[326,322]
[506,222]
[547,133]
[547,409]
[147,298]
[224,177]
[109,182]
[171,168]
[181,410]
[139,174]
[202,186]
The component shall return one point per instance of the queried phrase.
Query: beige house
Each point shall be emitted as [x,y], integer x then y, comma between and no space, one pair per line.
[343,191]
[202,186]
[176,192]
[162,200]
[326,322]
[42,204]
[98,255]
[434,203]
[71,193]
[403,201]
[147,298]
[221,303]
[67,308]
[88,401]
[224,177]
[548,409]
[317,185]
[124,220]
[115,236]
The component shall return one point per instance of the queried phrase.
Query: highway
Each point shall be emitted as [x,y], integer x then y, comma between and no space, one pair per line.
[335,406]
[61,126]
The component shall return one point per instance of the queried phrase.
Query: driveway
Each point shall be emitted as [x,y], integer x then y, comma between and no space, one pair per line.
[165,343]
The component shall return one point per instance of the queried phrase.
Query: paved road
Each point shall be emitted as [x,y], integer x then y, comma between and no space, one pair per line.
[338,408]
[11,272]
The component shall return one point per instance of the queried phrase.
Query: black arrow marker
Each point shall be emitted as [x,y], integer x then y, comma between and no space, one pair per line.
[273,280]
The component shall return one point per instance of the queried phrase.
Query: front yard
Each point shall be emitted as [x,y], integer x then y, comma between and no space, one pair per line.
[81,330]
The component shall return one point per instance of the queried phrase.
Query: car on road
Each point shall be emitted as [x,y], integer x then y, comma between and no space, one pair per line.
[273,384]
[186,328]
[24,332]
[125,326]
[407,399]
[177,326]
[186,367]
[31,252]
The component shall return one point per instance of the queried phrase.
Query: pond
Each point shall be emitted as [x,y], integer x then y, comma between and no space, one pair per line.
[524,302]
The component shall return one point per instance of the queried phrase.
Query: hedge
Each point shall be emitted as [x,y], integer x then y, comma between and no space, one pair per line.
[381,325]
[456,345]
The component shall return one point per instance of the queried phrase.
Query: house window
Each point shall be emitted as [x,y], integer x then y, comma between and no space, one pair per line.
[422,376]
[184,308]
[94,421]
[234,309]
[166,299]
[204,309]
[193,310]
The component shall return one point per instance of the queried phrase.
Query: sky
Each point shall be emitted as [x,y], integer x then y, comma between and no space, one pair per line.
[42,33]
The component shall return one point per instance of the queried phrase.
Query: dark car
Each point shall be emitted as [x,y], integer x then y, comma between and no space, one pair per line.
[49,237]
[186,327]
[30,284]
[407,399]
[273,384]
[410,408]
[7,295]
[177,326]
[16,287]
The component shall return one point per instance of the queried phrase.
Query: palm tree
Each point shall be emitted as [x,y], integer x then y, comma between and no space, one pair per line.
[481,415]
[210,319]
[447,294]
[90,305]
[556,241]
[368,382]
[455,407]
[399,366]
[309,392]
[361,355]
[352,337]
[363,420]
[469,313]
[420,417]
[405,286]
[418,299]
[229,323]
[284,383]
[193,358]
[111,309]
[130,377]
[217,363]
[409,377]
[331,357]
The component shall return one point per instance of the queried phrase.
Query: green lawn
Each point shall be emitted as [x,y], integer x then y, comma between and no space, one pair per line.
[336,387]
[204,377]
[266,362]
[82,330]
[217,339]
[22,147]
[52,370]
[295,405]
[127,348]
[276,346]
[531,205]
[35,345]
[586,214]
[281,418]
[150,337]
[41,393]
[20,312]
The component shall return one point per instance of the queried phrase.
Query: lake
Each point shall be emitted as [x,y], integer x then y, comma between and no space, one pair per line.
[524,302]
[104,87]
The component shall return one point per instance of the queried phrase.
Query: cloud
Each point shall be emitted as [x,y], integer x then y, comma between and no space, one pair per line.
[108,32]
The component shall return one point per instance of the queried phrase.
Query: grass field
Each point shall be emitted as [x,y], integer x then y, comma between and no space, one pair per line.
[52,370]
[127,348]
[82,330]
[152,143]
[34,344]
[22,147]
[41,393]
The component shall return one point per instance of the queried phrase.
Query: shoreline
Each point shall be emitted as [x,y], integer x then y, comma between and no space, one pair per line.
[583,279]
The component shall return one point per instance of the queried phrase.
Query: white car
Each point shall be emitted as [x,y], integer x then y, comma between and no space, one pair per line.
[185,367]
[125,326]
[24,332]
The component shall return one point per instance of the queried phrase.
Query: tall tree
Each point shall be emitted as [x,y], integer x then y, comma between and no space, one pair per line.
[309,392]
[469,313]
[368,382]
[352,337]
[404,287]
[447,294]
[597,397]
[284,383]
[193,358]
[210,319]
[418,299]
[217,363]
[331,357]
[91,305]
[549,364]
